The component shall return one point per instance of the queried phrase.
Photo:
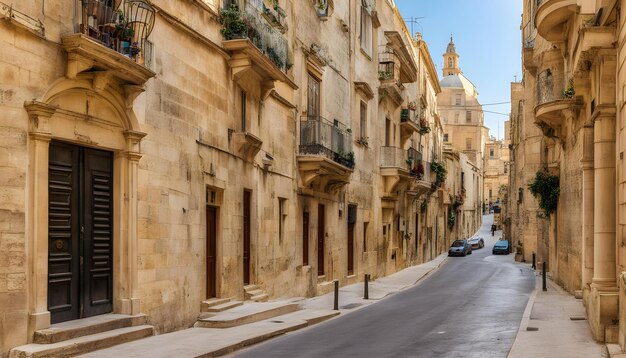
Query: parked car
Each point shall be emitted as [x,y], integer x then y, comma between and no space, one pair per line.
[460,248]
[501,247]
[477,242]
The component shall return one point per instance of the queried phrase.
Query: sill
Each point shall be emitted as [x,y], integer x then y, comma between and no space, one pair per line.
[351,276]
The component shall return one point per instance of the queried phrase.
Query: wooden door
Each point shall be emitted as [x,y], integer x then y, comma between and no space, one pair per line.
[97,232]
[350,249]
[246,237]
[321,232]
[305,239]
[80,232]
[313,97]
[211,252]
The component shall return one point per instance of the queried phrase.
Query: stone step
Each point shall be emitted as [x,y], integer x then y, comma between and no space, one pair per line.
[254,293]
[251,287]
[84,344]
[213,302]
[263,297]
[224,306]
[248,313]
[83,327]
[310,316]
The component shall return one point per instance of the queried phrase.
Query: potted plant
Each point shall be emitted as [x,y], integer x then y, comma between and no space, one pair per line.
[569,91]
[409,162]
[321,6]
[233,25]
[134,49]
[404,114]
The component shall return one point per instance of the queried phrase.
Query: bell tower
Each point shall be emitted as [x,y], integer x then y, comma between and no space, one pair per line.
[451,60]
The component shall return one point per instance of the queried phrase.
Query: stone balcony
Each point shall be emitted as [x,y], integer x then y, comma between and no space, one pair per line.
[408,124]
[529,34]
[112,44]
[420,174]
[590,40]
[553,105]
[325,158]
[389,76]
[395,169]
[552,16]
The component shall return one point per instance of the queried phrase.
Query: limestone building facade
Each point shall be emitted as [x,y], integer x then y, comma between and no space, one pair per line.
[496,167]
[573,91]
[463,124]
[156,154]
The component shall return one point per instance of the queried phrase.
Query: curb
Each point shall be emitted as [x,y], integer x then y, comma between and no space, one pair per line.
[526,316]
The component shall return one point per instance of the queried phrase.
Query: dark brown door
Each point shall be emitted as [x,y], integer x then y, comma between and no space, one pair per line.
[305,239]
[321,231]
[351,224]
[211,252]
[313,97]
[246,237]
[350,249]
[80,247]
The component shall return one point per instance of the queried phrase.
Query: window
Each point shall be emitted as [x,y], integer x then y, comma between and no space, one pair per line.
[244,98]
[506,169]
[363,119]
[445,137]
[450,62]
[468,116]
[491,152]
[457,100]
[365,224]
[468,143]
[490,194]
[366,29]
[456,117]
[313,97]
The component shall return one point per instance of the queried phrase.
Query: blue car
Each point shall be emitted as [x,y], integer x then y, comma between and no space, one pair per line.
[501,247]
[460,248]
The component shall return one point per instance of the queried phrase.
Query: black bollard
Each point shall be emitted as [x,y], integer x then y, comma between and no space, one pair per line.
[544,276]
[366,292]
[336,305]
[534,261]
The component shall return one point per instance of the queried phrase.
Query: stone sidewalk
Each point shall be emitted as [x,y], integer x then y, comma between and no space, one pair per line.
[211,342]
[555,325]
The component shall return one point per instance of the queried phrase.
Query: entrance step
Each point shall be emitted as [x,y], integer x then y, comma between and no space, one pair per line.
[86,326]
[255,293]
[247,313]
[212,302]
[84,344]
[223,306]
[310,316]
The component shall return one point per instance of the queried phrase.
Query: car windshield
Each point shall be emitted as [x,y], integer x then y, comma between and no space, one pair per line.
[458,243]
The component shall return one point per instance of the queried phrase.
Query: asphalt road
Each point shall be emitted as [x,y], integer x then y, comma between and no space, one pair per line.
[470,307]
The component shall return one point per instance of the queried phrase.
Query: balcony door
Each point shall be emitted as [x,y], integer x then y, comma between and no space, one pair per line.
[80,228]
[313,97]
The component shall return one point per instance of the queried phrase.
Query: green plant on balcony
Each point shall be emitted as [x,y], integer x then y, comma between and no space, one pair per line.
[451,219]
[409,162]
[569,91]
[424,127]
[275,58]
[404,114]
[233,25]
[385,75]
[440,170]
[545,187]
[363,141]
[412,106]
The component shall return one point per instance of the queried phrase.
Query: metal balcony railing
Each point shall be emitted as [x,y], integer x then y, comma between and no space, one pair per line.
[388,65]
[261,31]
[529,33]
[320,137]
[122,25]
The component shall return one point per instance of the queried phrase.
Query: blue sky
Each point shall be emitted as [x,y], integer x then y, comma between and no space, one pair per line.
[487,37]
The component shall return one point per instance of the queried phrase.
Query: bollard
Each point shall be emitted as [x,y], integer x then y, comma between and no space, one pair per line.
[336,305]
[366,292]
[534,261]
[544,276]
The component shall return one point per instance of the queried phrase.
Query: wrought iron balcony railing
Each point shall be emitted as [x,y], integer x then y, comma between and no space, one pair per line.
[122,25]
[263,26]
[388,65]
[529,33]
[320,137]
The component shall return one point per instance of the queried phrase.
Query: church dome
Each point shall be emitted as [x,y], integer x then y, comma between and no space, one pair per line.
[459,81]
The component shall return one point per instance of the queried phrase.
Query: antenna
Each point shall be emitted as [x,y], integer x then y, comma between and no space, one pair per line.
[413,21]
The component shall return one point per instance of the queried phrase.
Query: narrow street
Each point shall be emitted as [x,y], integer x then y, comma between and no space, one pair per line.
[471,307]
